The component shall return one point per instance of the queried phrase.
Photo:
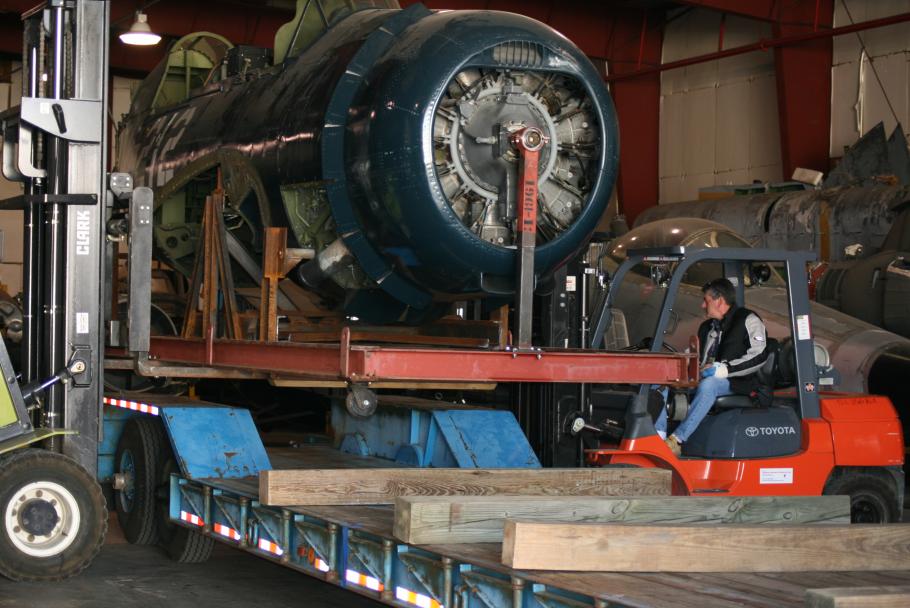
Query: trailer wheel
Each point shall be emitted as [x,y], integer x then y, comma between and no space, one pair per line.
[136,460]
[54,516]
[180,543]
[872,499]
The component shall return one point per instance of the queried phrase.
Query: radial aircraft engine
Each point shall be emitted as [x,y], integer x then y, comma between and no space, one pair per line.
[382,140]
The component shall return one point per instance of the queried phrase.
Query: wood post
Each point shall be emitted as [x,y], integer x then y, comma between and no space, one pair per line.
[383,486]
[274,251]
[696,548]
[480,519]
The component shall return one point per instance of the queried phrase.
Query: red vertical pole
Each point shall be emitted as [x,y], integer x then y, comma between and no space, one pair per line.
[804,86]
[638,108]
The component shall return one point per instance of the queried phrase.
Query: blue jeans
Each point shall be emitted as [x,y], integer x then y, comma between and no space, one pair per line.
[708,390]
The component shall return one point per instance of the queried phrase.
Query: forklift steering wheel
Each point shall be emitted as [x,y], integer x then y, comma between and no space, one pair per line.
[645,344]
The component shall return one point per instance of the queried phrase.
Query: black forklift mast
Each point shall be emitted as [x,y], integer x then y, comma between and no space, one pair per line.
[735,261]
[55,142]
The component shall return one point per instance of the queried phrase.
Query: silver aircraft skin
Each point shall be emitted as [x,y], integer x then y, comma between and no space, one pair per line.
[869,359]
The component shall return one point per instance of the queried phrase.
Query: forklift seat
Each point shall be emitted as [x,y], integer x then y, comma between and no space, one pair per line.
[767,378]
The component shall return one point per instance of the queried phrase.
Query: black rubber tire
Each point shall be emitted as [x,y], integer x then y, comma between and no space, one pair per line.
[142,441]
[180,543]
[23,467]
[873,500]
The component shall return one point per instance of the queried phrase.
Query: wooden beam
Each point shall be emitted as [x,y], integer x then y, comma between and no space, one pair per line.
[480,519]
[859,597]
[697,548]
[382,486]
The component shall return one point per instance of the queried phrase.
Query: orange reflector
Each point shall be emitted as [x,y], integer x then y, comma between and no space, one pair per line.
[136,406]
[192,519]
[363,580]
[267,545]
[416,599]
[226,532]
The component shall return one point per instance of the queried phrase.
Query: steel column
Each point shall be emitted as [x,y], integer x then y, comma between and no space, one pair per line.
[804,85]
[636,42]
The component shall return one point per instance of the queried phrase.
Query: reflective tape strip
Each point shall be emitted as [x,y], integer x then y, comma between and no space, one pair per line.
[192,519]
[312,559]
[267,545]
[136,406]
[352,576]
[416,599]
[227,532]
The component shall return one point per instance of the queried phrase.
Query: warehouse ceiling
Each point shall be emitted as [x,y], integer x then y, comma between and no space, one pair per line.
[254,22]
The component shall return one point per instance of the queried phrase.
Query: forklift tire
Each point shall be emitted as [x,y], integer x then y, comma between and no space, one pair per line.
[872,499]
[181,544]
[136,460]
[54,516]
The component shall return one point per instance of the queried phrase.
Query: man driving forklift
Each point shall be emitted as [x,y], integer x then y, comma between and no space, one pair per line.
[733,347]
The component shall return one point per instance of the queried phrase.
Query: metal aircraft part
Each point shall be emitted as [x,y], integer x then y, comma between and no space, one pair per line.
[383,143]
[868,358]
[825,221]
[876,288]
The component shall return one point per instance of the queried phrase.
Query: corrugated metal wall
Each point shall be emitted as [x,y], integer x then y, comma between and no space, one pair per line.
[718,119]
[11,229]
[10,221]
[857,100]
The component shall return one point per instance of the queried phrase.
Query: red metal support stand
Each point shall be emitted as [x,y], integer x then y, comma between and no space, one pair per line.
[529,142]
[363,364]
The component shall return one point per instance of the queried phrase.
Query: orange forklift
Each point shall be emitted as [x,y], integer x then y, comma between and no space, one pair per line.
[799,440]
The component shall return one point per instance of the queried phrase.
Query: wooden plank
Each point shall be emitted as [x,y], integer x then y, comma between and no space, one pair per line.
[355,486]
[480,519]
[859,597]
[697,548]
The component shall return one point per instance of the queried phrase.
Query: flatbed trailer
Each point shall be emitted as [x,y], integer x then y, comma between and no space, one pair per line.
[353,546]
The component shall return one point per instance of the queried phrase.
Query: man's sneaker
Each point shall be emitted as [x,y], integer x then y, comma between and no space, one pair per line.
[674,444]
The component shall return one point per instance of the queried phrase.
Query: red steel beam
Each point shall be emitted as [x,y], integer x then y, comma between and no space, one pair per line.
[373,363]
[804,85]
[754,9]
[765,44]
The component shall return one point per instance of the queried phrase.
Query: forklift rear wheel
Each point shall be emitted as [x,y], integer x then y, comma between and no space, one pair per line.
[136,460]
[872,499]
[54,516]
[180,543]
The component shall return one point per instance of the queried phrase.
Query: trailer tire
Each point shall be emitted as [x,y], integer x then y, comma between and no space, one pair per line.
[873,500]
[136,458]
[181,544]
[54,518]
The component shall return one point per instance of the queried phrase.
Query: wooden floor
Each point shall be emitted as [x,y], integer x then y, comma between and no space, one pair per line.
[643,589]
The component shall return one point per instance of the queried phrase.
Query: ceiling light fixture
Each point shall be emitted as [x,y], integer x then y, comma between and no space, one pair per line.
[140,34]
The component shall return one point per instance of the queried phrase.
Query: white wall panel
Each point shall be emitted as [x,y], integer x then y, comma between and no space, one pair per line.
[844,118]
[732,135]
[733,178]
[699,125]
[728,108]
[888,47]
[671,188]
[892,71]
[672,129]
[764,128]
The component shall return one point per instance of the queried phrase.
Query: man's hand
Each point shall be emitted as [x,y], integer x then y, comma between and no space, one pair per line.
[715,369]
